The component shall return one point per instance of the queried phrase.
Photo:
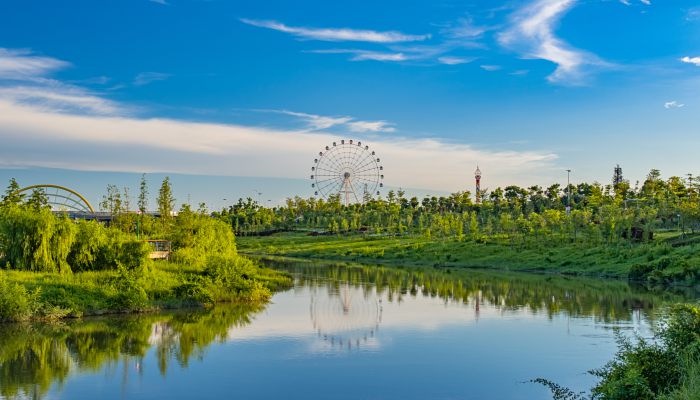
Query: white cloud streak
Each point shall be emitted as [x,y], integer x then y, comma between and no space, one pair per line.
[673,104]
[316,122]
[449,60]
[24,65]
[691,60]
[144,78]
[532,34]
[337,34]
[491,68]
[134,145]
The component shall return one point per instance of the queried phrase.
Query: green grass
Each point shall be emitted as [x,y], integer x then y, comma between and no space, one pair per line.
[662,262]
[33,295]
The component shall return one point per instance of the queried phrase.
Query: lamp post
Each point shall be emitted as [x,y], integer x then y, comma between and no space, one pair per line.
[568,190]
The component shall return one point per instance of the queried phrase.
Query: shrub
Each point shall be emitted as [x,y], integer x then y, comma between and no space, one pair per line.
[16,302]
[131,296]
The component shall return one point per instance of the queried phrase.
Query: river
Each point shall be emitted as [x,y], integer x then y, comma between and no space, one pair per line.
[343,332]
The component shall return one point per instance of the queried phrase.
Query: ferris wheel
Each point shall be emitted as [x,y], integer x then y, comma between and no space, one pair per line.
[347,169]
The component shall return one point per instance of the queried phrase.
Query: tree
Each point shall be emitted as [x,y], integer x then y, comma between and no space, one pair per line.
[11,194]
[143,195]
[112,201]
[38,199]
[166,201]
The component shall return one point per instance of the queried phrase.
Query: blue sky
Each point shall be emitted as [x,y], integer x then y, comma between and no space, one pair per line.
[525,89]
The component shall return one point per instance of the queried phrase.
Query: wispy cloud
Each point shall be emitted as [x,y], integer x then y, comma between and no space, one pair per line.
[491,68]
[131,144]
[693,14]
[337,34]
[629,3]
[22,64]
[144,78]
[61,98]
[161,2]
[449,60]
[673,104]
[25,78]
[365,55]
[315,122]
[371,126]
[532,34]
[691,60]
[464,28]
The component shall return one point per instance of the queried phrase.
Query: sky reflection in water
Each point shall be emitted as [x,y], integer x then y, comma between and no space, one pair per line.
[342,332]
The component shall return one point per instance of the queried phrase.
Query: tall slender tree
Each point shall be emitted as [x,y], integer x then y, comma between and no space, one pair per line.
[12,195]
[143,195]
[166,201]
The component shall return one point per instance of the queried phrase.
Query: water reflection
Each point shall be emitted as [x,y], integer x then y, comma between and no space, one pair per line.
[606,300]
[344,317]
[33,357]
[337,309]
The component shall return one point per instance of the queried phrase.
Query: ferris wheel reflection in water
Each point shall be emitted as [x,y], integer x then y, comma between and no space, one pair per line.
[346,319]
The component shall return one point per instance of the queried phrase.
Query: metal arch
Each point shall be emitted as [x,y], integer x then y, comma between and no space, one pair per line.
[43,186]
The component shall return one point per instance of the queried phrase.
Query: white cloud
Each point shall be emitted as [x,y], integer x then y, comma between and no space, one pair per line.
[691,60]
[673,104]
[626,2]
[365,55]
[520,72]
[491,68]
[24,65]
[61,98]
[464,28]
[449,60]
[136,145]
[144,78]
[532,34]
[337,34]
[378,56]
[371,126]
[316,122]
[647,2]
[162,2]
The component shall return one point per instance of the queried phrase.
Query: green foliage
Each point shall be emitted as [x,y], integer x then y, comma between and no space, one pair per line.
[666,368]
[131,295]
[166,201]
[35,240]
[16,302]
[196,237]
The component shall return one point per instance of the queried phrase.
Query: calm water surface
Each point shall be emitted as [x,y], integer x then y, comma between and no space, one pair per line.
[342,332]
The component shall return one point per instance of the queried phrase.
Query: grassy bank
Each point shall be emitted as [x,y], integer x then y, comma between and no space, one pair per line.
[655,262]
[26,295]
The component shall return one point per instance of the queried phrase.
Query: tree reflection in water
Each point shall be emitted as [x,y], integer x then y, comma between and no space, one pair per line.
[605,300]
[34,356]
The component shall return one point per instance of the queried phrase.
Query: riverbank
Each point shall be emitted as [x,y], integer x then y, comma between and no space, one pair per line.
[26,295]
[658,262]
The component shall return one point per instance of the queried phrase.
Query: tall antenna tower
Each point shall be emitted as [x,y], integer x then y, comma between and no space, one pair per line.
[477,177]
[617,176]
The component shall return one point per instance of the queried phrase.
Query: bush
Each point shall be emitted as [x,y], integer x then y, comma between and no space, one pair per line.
[16,302]
[98,248]
[667,368]
[131,296]
[35,240]
[236,276]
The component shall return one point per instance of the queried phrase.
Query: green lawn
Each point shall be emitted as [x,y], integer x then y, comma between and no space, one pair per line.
[674,263]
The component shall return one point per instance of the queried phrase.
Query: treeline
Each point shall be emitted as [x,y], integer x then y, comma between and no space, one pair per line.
[588,212]
[203,267]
